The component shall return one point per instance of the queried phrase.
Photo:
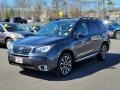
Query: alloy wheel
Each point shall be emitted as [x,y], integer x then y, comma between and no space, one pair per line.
[8,43]
[65,64]
[104,51]
[117,35]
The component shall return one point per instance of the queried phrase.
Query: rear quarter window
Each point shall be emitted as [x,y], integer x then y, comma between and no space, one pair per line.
[1,29]
[93,27]
[101,26]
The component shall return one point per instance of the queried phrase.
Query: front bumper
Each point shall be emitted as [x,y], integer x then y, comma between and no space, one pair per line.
[111,34]
[36,63]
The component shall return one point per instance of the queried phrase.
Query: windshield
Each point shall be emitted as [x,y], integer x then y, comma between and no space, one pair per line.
[56,29]
[13,27]
[115,23]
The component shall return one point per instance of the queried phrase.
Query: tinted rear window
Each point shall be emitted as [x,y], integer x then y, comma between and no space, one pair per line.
[96,26]
[101,26]
[93,27]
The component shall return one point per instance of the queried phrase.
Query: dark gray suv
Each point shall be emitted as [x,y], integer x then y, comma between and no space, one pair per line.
[61,43]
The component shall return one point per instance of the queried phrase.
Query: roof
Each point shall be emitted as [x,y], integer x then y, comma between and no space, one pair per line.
[75,19]
[65,20]
[6,23]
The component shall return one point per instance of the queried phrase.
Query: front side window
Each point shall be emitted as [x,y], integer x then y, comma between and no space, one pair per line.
[102,27]
[82,28]
[1,29]
[56,29]
[13,27]
[93,27]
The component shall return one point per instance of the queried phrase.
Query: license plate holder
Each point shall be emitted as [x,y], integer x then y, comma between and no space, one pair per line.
[19,60]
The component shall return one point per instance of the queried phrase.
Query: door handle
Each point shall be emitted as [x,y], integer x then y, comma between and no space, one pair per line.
[83,41]
[95,37]
[88,42]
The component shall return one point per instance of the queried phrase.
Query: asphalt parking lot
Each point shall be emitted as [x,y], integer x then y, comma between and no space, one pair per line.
[87,75]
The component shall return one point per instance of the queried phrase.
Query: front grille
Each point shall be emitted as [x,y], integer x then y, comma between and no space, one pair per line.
[22,50]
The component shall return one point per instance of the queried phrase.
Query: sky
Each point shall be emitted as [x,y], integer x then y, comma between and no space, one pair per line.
[11,3]
[117,3]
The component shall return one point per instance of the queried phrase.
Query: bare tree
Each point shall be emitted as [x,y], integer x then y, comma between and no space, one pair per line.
[55,4]
[38,9]
[74,12]
[3,7]
[21,6]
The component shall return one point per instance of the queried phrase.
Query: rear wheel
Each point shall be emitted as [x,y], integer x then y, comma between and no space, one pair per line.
[64,66]
[103,52]
[8,42]
[117,35]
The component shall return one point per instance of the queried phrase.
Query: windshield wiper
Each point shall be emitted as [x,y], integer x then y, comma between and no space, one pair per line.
[46,35]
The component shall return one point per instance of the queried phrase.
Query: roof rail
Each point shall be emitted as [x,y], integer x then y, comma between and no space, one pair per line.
[62,19]
[94,18]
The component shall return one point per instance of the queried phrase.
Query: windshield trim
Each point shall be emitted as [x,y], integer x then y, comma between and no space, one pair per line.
[12,25]
[57,29]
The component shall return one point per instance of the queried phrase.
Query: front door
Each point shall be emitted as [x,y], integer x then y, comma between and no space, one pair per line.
[83,43]
[2,36]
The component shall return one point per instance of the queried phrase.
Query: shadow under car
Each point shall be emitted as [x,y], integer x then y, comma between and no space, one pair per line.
[82,69]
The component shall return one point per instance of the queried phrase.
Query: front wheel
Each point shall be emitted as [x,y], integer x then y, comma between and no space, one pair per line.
[8,43]
[65,64]
[103,52]
[117,35]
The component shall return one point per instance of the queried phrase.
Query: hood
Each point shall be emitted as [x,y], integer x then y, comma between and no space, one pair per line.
[38,40]
[115,27]
[24,33]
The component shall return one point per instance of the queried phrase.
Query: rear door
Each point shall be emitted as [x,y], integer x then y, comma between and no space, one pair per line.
[2,36]
[95,35]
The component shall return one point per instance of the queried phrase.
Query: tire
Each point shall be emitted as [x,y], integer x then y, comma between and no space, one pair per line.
[103,52]
[117,35]
[64,66]
[8,41]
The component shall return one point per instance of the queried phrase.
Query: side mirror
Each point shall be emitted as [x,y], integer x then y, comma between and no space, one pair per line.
[1,31]
[76,35]
[110,26]
[81,34]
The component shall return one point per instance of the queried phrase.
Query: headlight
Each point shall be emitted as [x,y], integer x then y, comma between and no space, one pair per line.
[43,49]
[10,46]
[20,36]
[16,36]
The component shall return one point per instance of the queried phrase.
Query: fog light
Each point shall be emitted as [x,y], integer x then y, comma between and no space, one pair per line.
[43,68]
